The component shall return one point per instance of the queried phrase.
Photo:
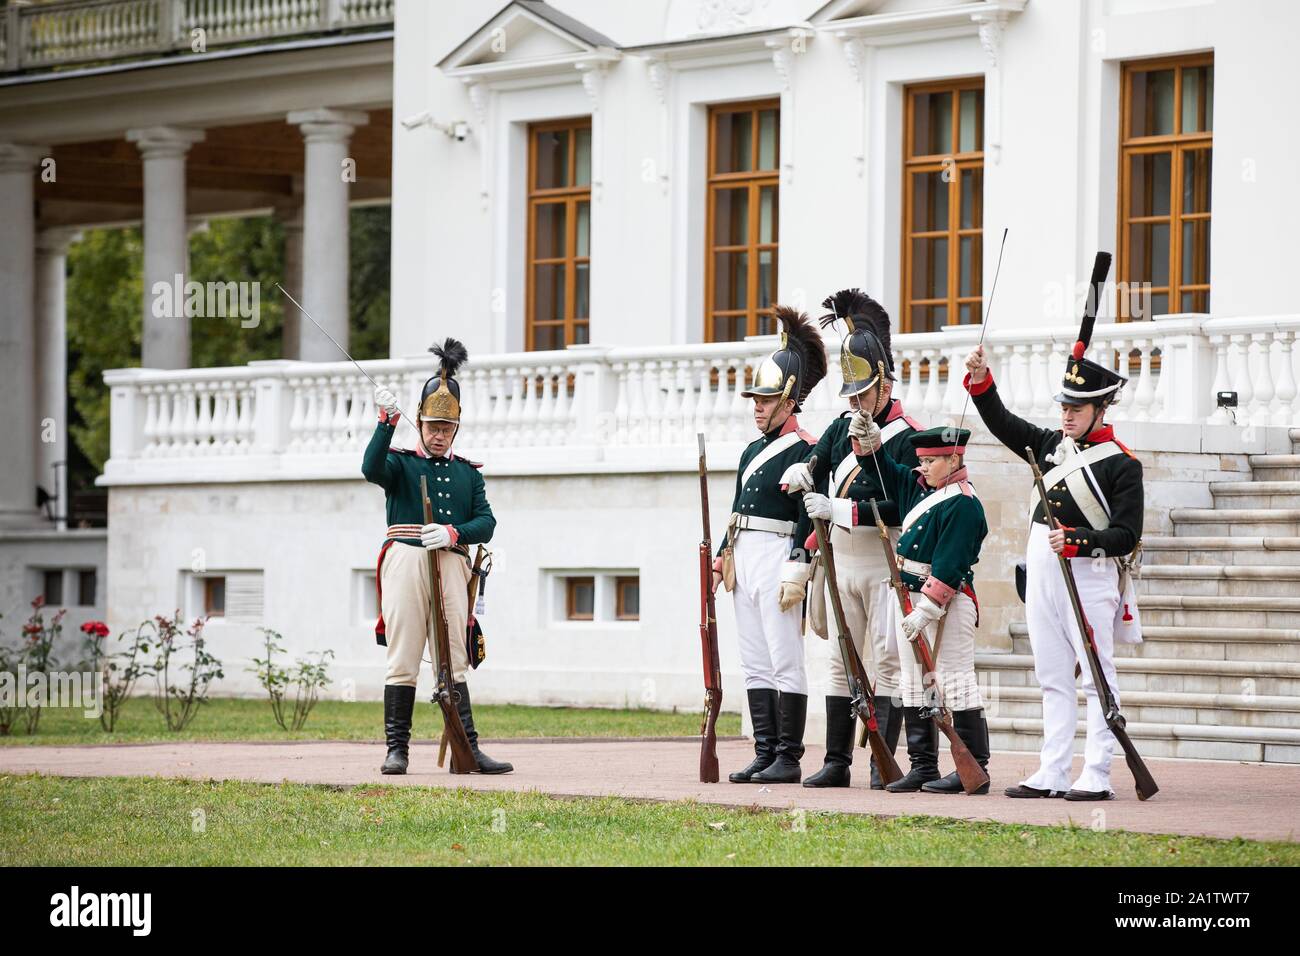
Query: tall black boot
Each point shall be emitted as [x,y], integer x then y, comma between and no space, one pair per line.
[889,720]
[922,751]
[792,711]
[973,730]
[762,712]
[399,704]
[839,745]
[485,763]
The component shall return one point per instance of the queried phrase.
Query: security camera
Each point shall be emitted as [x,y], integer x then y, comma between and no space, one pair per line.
[419,119]
[460,130]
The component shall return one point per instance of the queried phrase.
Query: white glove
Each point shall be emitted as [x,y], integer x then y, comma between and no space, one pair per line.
[385,400]
[817,506]
[866,431]
[924,612]
[798,477]
[435,536]
[794,578]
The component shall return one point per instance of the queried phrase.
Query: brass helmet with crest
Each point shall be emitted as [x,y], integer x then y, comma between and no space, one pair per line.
[440,398]
[797,366]
[865,356]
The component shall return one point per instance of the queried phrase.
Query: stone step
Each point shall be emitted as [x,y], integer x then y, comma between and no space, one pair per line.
[1275,467]
[1220,549]
[1155,707]
[1197,643]
[1270,678]
[1239,580]
[1255,494]
[1195,741]
[1185,610]
[1244,522]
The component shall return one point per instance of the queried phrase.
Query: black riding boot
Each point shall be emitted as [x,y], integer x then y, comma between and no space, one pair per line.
[485,763]
[762,712]
[889,720]
[922,751]
[793,715]
[399,704]
[839,745]
[973,730]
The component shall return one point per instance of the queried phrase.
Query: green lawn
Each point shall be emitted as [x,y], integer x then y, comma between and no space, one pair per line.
[131,821]
[227,718]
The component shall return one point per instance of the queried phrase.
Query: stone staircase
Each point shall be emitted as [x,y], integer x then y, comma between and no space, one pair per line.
[1219,673]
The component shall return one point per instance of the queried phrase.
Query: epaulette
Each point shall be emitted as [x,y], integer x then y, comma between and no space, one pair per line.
[806,436]
[472,464]
[913,422]
[1124,448]
[405,451]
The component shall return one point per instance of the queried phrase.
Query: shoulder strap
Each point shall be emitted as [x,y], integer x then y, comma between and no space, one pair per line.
[1083,495]
[894,427]
[925,504]
[768,453]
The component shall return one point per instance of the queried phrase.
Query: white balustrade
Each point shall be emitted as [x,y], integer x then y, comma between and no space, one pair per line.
[642,407]
[76,31]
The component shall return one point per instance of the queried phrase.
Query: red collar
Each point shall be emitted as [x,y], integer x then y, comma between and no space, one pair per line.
[895,411]
[791,424]
[1105,433]
[957,476]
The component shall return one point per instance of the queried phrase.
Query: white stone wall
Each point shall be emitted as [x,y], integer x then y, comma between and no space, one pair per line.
[312,539]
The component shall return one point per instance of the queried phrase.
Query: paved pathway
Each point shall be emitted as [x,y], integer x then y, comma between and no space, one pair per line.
[1208,798]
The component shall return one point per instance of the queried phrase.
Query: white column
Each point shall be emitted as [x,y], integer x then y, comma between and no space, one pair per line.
[17,330]
[325,228]
[290,216]
[166,243]
[51,413]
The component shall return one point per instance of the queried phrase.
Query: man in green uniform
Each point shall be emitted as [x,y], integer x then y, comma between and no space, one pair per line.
[462,517]
[837,480]
[762,558]
[940,535]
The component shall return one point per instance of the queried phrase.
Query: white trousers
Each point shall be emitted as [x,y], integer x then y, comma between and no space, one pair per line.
[865,595]
[1057,646]
[956,661]
[771,640]
[408,615]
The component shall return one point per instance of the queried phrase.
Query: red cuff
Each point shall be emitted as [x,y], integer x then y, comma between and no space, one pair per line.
[387,419]
[1070,551]
[937,591]
[455,535]
[982,387]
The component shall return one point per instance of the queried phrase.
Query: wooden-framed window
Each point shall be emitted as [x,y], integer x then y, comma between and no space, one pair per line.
[943,205]
[558,283]
[627,598]
[580,598]
[214,597]
[1166,140]
[742,220]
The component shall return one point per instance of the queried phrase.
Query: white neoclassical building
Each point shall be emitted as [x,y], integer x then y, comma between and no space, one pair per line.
[604,200]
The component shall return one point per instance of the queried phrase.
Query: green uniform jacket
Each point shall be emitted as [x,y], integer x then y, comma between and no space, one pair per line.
[835,445]
[1119,478]
[455,489]
[763,495]
[947,537]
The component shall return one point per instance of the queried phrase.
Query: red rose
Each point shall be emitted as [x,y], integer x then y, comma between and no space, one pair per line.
[38,602]
[95,628]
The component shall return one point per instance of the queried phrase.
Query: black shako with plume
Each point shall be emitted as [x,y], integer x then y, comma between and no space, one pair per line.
[793,370]
[1085,381]
[440,398]
[865,354]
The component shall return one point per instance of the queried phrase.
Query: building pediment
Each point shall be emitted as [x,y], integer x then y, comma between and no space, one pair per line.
[527,38]
[901,21]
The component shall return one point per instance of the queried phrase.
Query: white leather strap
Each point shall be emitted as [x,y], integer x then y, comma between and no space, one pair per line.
[759,523]
[767,454]
[925,504]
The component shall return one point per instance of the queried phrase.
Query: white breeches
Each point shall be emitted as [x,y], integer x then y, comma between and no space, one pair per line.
[771,640]
[955,663]
[1057,646]
[865,595]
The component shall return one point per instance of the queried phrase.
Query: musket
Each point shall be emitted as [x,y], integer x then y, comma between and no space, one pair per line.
[462,757]
[1145,783]
[862,698]
[708,639]
[969,771]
